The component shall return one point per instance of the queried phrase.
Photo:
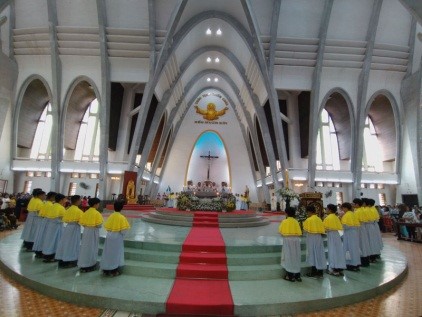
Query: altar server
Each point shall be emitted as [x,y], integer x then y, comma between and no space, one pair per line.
[290,253]
[362,215]
[273,202]
[315,253]
[53,229]
[113,257]
[91,220]
[40,234]
[374,233]
[243,202]
[336,255]
[69,244]
[31,223]
[237,202]
[351,237]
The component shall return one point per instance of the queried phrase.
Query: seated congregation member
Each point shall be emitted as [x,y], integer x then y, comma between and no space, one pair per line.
[54,227]
[91,220]
[363,217]
[31,223]
[290,253]
[374,233]
[113,257]
[315,253]
[41,228]
[70,242]
[351,237]
[336,255]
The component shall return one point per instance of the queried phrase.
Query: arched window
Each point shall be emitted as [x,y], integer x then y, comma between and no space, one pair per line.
[41,145]
[88,143]
[327,157]
[372,152]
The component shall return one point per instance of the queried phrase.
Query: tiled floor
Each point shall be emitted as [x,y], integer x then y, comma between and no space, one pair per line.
[16,300]
[19,301]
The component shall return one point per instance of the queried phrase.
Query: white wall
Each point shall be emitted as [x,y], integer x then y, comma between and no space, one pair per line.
[241,173]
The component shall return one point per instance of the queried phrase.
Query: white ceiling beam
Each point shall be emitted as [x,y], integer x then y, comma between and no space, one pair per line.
[357,150]
[315,92]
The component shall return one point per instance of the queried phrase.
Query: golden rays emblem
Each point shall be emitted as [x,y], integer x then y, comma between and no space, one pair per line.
[211,114]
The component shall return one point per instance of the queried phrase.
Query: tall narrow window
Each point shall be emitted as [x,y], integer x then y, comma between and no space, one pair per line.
[88,143]
[41,145]
[382,199]
[372,154]
[327,157]
[339,198]
[97,190]
[27,186]
[72,189]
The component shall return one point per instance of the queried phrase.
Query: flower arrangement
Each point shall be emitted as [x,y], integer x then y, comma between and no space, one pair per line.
[301,214]
[184,201]
[288,194]
[230,202]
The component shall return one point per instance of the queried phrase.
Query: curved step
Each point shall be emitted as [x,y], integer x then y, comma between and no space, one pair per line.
[185,219]
[145,286]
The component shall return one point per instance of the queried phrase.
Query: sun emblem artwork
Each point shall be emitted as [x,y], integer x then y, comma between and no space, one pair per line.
[211,107]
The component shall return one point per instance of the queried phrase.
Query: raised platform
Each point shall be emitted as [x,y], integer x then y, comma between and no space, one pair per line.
[152,252]
[133,207]
[225,219]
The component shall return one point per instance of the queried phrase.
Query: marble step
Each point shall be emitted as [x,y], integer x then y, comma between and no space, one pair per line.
[235,259]
[256,222]
[245,267]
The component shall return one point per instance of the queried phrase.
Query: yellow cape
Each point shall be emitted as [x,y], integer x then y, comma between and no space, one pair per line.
[116,222]
[44,209]
[72,214]
[91,218]
[332,222]
[34,205]
[313,225]
[56,211]
[290,227]
[350,219]
[373,213]
[362,214]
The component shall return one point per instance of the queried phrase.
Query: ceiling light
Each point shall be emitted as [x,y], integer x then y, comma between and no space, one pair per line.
[208,79]
[208,32]
[216,79]
[217,60]
[208,59]
[219,32]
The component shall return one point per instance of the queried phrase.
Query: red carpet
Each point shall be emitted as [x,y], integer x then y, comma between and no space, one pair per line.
[201,286]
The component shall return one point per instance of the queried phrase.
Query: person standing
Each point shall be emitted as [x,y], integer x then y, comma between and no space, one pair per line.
[362,215]
[351,238]
[374,233]
[31,223]
[113,256]
[40,234]
[70,242]
[91,220]
[53,229]
[238,203]
[273,202]
[290,253]
[336,255]
[315,253]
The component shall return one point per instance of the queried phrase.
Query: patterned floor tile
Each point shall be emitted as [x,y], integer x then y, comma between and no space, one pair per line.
[19,301]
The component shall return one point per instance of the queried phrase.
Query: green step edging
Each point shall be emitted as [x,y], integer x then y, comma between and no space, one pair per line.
[305,306]
[89,289]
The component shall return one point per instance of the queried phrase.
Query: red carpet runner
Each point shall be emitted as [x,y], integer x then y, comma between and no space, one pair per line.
[201,286]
